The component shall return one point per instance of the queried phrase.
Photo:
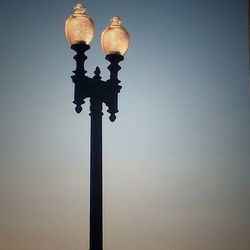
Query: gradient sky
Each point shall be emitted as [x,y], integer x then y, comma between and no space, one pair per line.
[177,159]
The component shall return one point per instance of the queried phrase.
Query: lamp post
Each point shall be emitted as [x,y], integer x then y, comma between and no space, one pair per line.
[79,30]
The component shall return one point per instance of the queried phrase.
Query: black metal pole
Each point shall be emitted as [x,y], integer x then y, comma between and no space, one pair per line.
[96,227]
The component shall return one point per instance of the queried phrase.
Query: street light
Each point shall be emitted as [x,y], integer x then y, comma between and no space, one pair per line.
[115,38]
[79,27]
[79,30]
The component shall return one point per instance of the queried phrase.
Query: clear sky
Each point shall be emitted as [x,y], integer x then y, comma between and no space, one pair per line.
[176,160]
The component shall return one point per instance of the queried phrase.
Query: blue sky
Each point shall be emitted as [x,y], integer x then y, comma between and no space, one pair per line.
[176,160]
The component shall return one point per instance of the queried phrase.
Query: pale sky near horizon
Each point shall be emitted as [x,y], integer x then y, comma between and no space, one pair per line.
[176,162]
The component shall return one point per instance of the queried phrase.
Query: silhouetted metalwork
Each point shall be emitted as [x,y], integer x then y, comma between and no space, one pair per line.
[99,92]
[95,88]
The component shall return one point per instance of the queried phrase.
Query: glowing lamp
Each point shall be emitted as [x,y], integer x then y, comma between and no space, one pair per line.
[79,27]
[115,38]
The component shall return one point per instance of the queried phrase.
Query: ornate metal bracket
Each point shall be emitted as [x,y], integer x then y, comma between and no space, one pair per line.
[95,88]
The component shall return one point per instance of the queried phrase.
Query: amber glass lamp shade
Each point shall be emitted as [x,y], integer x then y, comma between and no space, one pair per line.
[115,38]
[79,27]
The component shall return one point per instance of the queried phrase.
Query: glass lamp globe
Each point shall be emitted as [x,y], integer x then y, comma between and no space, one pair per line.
[79,27]
[115,38]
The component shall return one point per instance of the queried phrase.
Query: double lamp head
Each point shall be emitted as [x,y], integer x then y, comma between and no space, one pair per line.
[80,29]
